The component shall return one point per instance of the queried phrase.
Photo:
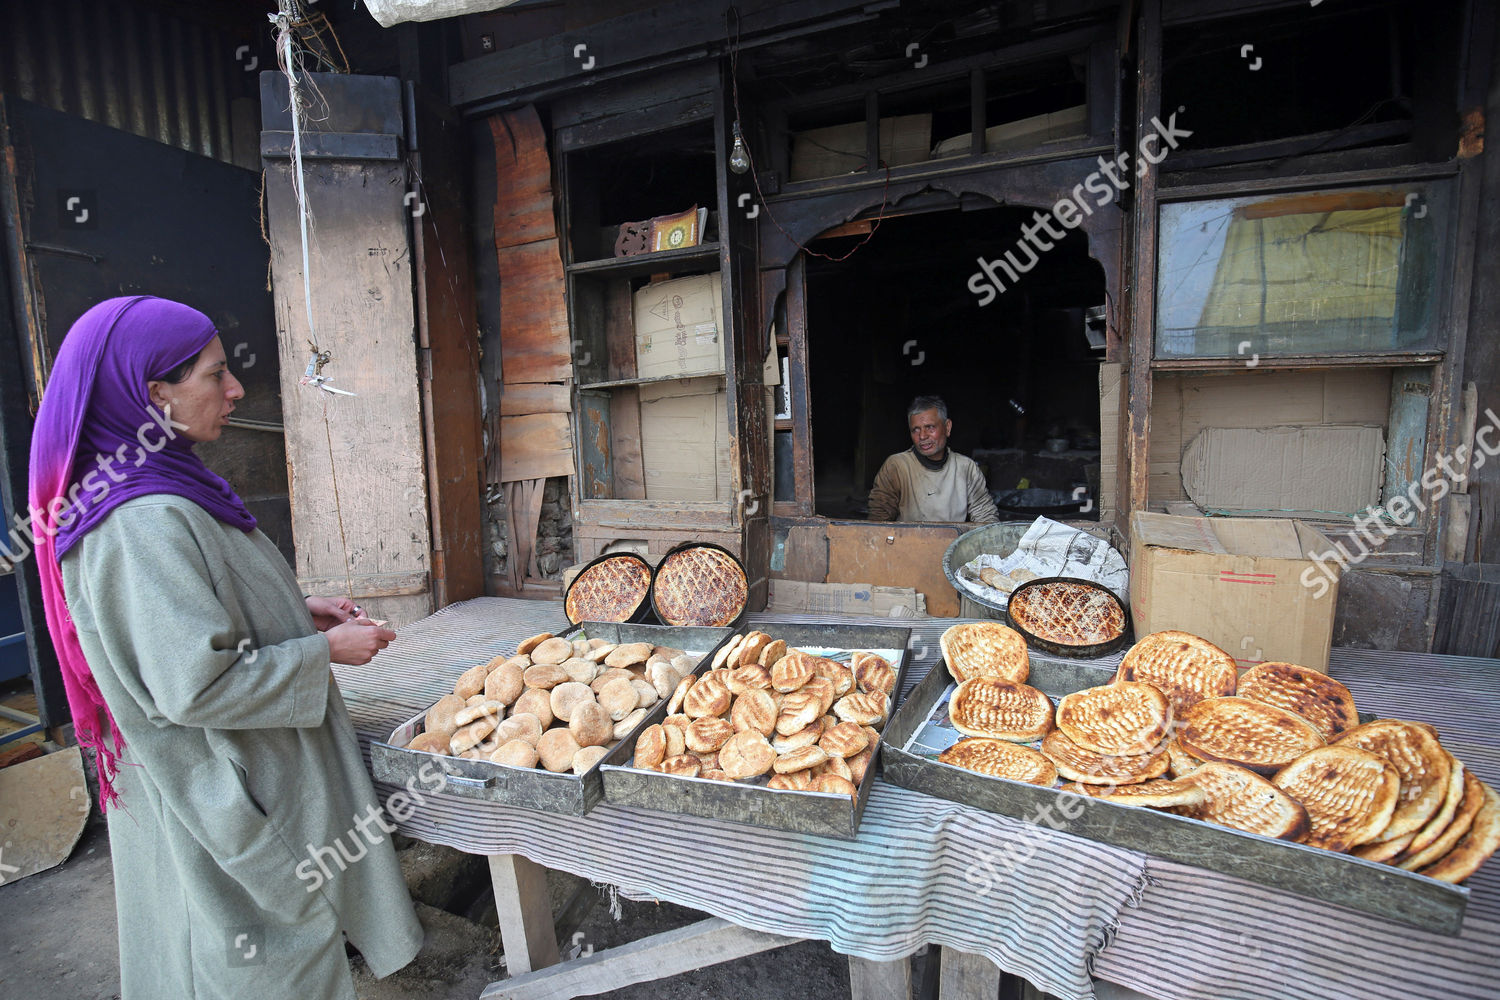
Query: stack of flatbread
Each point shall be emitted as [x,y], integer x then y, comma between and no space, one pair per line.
[1279,751]
[768,714]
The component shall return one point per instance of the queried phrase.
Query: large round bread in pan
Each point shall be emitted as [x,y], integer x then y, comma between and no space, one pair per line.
[1242,799]
[1249,733]
[1422,763]
[1001,759]
[1186,668]
[1316,697]
[699,584]
[1120,718]
[1000,710]
[1482,840]
[612,588]
[1068,616]
[1349,795]
[1087,767]
[985,649]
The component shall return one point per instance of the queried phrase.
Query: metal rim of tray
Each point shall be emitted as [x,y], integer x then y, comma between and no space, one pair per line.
[1089,652]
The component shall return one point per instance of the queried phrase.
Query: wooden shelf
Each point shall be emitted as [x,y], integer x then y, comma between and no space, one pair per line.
[618,383]
[1296,361]
[703,257]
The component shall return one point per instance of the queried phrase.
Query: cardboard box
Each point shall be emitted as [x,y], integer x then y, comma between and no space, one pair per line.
[1288,469]
[678,328]
[840,149]
[1258,588]
[685,439]
[846,599]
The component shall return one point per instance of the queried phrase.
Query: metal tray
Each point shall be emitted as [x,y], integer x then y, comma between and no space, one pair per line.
[821,813]
[1382,890]
[532,788]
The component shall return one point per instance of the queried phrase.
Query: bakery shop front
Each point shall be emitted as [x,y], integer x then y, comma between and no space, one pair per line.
[1134,291]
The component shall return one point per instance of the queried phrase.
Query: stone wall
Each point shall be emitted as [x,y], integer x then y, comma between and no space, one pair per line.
[554,545]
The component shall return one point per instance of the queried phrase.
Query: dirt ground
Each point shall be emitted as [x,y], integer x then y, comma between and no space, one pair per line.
[58,939]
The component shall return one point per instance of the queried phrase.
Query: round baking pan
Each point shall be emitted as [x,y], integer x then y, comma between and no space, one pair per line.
[739,612]
[641,613]
[1063,649]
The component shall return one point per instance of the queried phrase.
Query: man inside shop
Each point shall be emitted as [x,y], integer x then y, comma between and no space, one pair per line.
[928,482]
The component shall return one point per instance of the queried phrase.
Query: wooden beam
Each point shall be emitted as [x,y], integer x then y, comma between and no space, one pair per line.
[880,980]
[526,928]
[1143,292]
[367,584]
[965,976]
[697,946]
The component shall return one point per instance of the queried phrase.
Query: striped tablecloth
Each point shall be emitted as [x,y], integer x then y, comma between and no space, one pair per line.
[1059,912]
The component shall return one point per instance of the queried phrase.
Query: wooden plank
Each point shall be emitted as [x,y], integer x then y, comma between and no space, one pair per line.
[534,340]
[966,976]
[1140,335]
[697,946]
[879,980]
[895,555]
[367,585]
[517,399]
[535,446]
[629,470]
[365,317]
[619,329]
[523,179]
[521,901]
[805,554]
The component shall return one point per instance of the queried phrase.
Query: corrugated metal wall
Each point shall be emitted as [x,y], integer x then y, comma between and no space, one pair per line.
[133,67]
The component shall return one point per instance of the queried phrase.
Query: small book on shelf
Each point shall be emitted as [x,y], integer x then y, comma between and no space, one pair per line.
[674,232]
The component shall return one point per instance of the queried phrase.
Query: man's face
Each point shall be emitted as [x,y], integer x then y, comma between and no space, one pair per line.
[929,435]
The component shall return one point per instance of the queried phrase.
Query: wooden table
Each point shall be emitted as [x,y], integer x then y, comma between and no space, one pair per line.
[1074,912]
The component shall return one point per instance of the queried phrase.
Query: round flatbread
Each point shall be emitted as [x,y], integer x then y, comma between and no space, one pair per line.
[1249,733]
[1120,718]
[1315,696]
[1000,710]
[1349,795]
[1239,798]
[1186,668]
[1424,766]
[1001,759]
[1475,847]
[1077,764]
[985,649]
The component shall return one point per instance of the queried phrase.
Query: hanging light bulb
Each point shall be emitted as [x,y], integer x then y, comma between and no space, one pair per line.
[739,157]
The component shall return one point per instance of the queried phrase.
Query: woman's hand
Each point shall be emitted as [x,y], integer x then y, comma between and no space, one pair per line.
[330,611]
[356,642]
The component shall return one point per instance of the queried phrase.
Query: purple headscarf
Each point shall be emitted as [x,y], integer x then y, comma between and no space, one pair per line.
[98,442]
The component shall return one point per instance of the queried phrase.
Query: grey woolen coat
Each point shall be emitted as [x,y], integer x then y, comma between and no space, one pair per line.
[250,834]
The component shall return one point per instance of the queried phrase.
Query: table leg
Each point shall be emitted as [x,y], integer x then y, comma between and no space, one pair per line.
[525,912]
[965,976]
[879,980]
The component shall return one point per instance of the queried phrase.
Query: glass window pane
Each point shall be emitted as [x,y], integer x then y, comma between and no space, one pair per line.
[1305,273]
[785,481]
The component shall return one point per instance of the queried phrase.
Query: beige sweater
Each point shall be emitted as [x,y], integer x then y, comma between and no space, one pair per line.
[905,490]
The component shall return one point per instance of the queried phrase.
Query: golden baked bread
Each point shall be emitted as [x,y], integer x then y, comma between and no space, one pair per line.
[650,747]
[746,754]
[628,654]
[553,650]
[841,676]
[1159,794]
[804,737]
[1077,764]
[1240,798]
[1315,696]
[1186,668]
[708,696]
[544,675]
[1474,847]
[1000,710]
[1125,717]
[859,764]
[708,734]
[524,726]
[556,750]
[567,696]
[587,757]
[505,683]
[1441,819]
[1001,759]
[833,765]
[537,702]
[792,671]
[800,760]
[1458,825]
[725,654]
[699,585]
[683,765]
[1349,795]
[590,725]
[1420,760]
[797,781]
[753,677]
[750,650]
[798,711]
[432,741]
[441,715]
[859,707]
[773,651]
[1249,733]
[619,698]
[1068,613]
[470,736]
[754,710]
[985,649]
[471,681]
[1179,761]
[1387,851]
[835,785]
[610,590]
[527,645]
[843,740]
[873,673]
[514,753]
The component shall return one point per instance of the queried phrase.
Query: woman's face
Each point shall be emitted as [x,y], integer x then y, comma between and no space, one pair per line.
[202,401]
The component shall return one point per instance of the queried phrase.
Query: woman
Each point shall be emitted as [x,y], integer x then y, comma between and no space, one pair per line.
[200,675]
